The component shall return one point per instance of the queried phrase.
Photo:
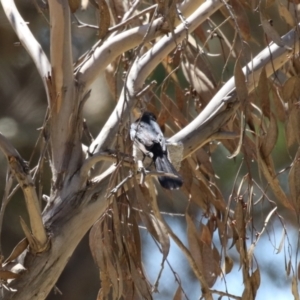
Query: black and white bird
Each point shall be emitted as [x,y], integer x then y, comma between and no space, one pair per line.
[149,139]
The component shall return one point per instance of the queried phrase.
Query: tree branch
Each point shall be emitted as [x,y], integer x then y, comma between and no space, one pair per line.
[272,58]
[65,116]
[27,39]
[20,170]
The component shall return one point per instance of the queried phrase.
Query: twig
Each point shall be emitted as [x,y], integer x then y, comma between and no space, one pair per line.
[85,25]
[108,155]
[225,294]
[119,185]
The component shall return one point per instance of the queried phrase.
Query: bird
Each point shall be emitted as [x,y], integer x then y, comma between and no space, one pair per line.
[149,139]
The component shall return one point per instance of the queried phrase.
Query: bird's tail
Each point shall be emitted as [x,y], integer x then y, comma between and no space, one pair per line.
[162,164]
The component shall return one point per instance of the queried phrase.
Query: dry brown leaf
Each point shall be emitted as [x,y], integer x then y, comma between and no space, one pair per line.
[288,268]
[202,36]
[295,291]
[140,282]
[204,161]
[235,238]
[241,245]
[269,29]
[198,73]
[74,5]
[211,225]
[296,65]
[110,259]
[197,196]
[217,259]
[95,238]
[222,233]
[152,108]
[19,248]
[278,105]
[286,15]
[117,227]
[269,3]
[163,237]
[241,19]
[178,294]
[104,19]
[187,174]
[212,195]
[180,98]
[245,4]
[254,4]
[290,133]
[267,169]
[147,221]
[105,283]
[294,182]
[133,240]
[247,293]
[219,204]
[156,228]
[255,281]
[240,219]
[100,294]
[202,253]
[165,111]
[5,275]
[263,93]
[205,235]
[98,244]
[170,108]
[295,120]
[289,88]
[228,264]
[194,243]
[211,268]
[240,82]
[269,141]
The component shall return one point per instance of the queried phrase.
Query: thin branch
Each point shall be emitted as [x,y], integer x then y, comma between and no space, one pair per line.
[66,99]
[109,155]
[20,170]
[123,23]
[224,294]
[27,39]
[61,48]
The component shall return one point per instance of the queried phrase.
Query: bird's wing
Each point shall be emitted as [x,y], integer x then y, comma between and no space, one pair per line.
[159,137]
